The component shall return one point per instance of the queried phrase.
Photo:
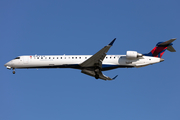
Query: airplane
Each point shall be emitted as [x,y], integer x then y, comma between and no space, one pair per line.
[93,65]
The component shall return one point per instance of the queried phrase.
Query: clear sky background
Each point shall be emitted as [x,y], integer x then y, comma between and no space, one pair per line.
[42,27]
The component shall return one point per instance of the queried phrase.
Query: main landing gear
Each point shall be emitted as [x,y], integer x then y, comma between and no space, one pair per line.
[97,73]
[97,76]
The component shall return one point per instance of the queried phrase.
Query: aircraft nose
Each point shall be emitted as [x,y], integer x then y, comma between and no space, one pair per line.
[8,64]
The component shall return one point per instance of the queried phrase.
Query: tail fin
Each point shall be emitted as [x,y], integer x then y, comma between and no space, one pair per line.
[161,47]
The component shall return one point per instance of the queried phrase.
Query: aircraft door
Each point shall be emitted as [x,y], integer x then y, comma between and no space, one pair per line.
[26,60]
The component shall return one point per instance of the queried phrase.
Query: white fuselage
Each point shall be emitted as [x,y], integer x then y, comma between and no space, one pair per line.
[93,65]
[74,61]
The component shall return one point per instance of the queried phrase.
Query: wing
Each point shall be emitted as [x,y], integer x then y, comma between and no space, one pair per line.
[96,59]
[93,65]
[99,75]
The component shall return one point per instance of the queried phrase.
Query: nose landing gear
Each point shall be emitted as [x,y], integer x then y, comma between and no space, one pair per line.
[13,71]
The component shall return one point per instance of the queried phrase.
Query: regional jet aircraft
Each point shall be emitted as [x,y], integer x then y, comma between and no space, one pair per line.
[93,65]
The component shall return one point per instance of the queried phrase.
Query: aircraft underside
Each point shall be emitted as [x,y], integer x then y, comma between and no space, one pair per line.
[76,66]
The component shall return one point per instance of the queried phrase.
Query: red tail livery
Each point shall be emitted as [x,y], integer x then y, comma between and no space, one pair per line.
[161,47]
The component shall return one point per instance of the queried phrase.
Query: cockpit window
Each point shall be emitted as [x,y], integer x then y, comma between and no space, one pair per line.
[17,58]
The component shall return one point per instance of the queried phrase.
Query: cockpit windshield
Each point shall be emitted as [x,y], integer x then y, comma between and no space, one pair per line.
[17,58]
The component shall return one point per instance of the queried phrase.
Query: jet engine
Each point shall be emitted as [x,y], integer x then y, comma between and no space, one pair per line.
[133,55]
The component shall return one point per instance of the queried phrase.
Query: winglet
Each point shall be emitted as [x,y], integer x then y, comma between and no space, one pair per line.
[115,77]
[111,43]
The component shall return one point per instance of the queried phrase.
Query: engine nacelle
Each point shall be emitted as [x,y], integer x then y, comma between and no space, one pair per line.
[133,55]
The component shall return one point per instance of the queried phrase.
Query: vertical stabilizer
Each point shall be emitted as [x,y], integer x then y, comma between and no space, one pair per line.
[161,47]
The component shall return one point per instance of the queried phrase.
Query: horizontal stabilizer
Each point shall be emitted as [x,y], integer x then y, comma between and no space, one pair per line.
[168,42]
[171,49]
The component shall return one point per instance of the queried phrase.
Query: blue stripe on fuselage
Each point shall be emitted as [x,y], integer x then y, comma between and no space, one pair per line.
[107,66]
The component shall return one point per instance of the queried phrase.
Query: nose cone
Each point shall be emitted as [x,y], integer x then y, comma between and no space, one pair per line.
[8,64]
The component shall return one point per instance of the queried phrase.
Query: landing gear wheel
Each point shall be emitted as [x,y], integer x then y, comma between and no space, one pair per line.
[14,71]
[96,76]
[96,71]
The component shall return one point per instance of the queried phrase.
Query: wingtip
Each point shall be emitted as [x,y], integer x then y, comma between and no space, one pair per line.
[115,77]
[111,43]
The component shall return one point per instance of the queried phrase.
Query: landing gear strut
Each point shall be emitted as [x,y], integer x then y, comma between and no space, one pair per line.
[97,73]
[14,71]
